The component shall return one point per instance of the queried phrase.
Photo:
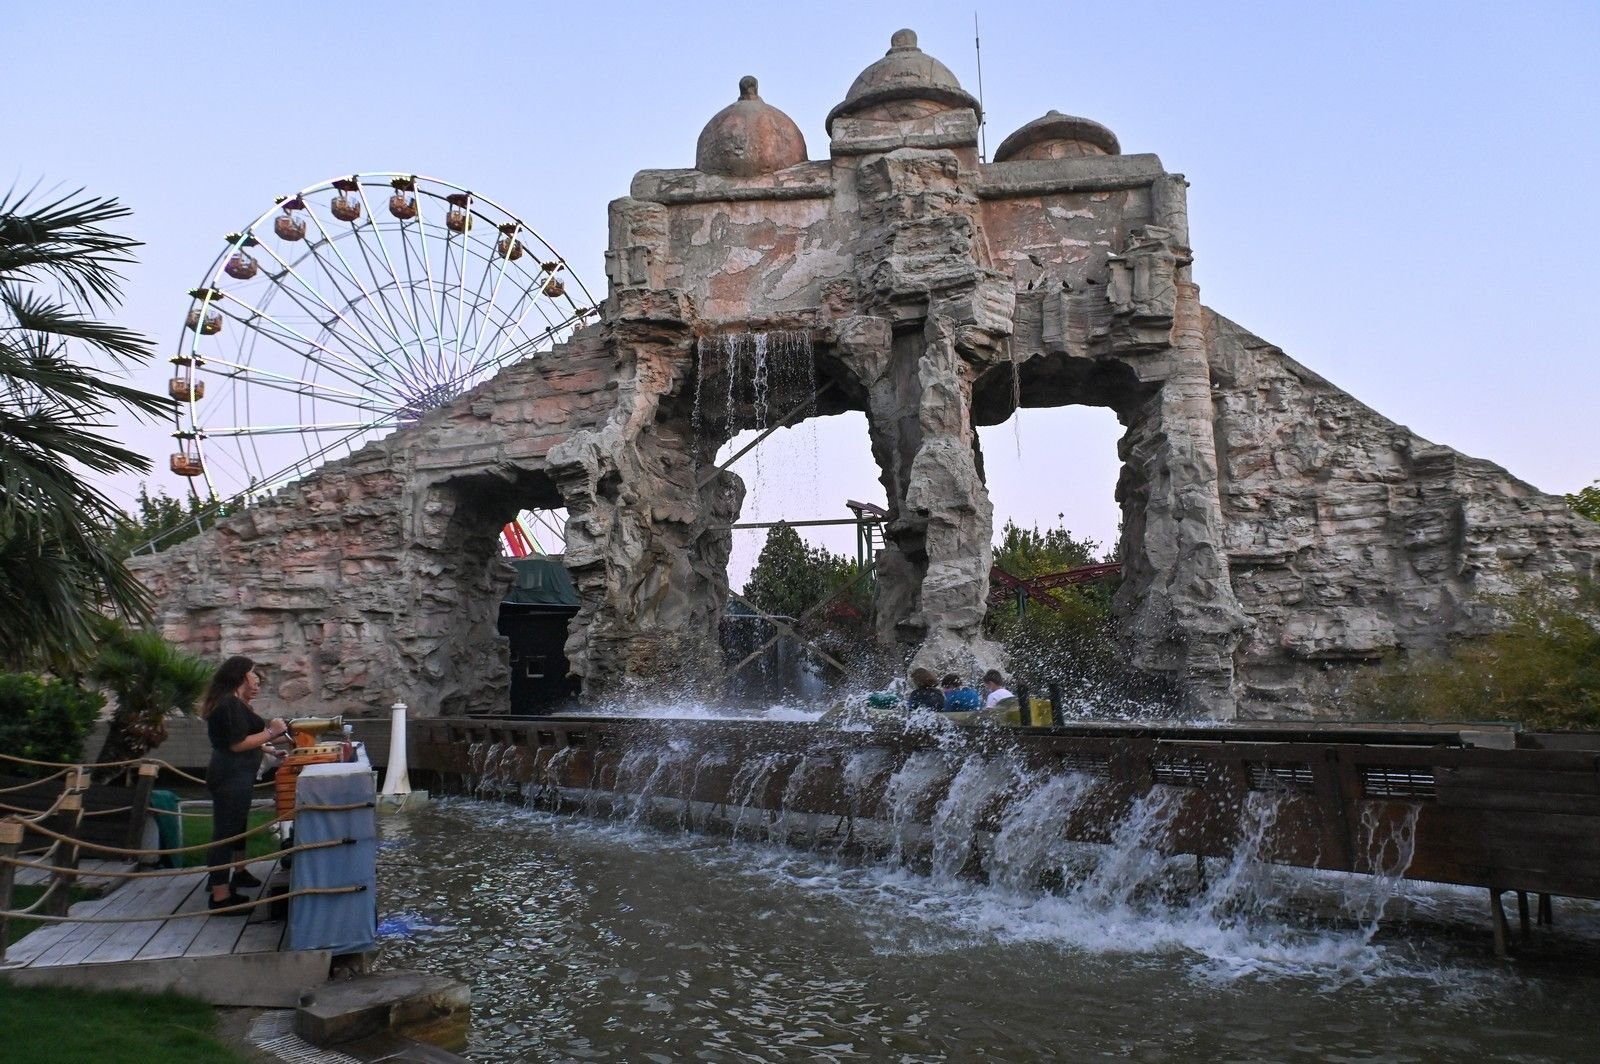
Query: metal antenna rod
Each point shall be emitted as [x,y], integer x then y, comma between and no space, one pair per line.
[983,120]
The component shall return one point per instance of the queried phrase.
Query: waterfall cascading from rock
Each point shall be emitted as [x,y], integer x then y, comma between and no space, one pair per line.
[969,817]
[746,380]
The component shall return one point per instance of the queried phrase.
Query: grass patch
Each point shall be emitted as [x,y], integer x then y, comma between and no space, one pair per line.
[22,897]
[197,830]
[52,1023]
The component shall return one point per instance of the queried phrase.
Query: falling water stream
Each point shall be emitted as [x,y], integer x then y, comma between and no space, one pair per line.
[950,922]
[748,380]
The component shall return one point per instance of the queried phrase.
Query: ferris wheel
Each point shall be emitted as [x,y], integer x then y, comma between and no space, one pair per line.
[351,309]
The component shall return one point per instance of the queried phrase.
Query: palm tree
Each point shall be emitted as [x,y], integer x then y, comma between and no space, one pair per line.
[151,679]
[59,268]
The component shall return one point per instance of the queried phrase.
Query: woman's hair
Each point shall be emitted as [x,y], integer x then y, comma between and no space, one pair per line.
[950,680]
[921,677]
[225,681]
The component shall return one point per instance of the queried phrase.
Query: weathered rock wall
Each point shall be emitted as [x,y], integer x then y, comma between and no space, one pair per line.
[379,576]
[1350,537]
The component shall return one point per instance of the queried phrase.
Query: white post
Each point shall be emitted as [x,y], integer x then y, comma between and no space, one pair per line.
[397,780]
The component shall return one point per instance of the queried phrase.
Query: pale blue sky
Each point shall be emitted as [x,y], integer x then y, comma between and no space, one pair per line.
[1399,195]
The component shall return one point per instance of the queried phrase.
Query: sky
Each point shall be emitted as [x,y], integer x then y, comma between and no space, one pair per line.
[1398,195]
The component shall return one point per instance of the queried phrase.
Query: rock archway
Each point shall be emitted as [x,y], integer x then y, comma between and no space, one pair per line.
[1277,534]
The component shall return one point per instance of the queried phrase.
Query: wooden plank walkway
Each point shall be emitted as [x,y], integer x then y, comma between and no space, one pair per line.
[89,878]
[227,959]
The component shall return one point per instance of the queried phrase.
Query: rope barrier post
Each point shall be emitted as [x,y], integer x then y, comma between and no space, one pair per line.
[66,820]
[140,810]
[10,840]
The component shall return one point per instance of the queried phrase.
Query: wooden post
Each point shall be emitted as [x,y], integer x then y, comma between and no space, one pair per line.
[1547,916]
[1502,931]
[1024,705]
[66,820]
[140,811]
[10,840]
[1056,719]
[1522,914]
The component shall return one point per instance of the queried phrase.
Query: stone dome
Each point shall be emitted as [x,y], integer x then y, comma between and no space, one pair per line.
[1058,136]
[749,137]
[906,74]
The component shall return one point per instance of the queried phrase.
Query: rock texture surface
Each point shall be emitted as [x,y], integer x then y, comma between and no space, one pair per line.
[1276,533]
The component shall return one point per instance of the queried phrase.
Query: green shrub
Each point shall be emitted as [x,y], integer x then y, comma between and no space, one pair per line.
[45,720]
[1542,668]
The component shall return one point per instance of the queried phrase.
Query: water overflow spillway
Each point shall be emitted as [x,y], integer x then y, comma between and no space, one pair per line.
[1090,808]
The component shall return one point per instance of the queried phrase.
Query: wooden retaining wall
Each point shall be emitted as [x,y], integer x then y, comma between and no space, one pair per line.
[1520,812]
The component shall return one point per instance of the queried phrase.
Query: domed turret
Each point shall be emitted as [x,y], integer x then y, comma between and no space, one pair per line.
[906,83]
[1058,136]
[749,137]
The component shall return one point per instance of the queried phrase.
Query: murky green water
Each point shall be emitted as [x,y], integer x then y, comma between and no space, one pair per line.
[585,940]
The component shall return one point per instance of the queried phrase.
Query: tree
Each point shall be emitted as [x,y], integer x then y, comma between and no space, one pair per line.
[1542,667]
[151,678]
[59,268]
[164,521]
[1587,501]
[790,577]
[1074,643]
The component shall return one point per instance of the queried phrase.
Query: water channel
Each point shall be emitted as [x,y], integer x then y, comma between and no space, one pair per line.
[592,938]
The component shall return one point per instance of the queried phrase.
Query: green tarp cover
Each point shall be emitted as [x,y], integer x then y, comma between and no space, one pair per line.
[541,582]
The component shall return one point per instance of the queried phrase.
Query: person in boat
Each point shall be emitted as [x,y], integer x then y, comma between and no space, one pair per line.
[237,735]
[994,689]
[959,699]
[925,693]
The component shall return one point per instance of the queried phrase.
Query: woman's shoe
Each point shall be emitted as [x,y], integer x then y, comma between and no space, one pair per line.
[243,878]
[233,898]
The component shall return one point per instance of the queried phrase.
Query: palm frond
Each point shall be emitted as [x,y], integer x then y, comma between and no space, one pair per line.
[57,423]
[61,241]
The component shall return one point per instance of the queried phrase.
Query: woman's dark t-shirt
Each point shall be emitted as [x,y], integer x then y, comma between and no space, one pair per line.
[229,723]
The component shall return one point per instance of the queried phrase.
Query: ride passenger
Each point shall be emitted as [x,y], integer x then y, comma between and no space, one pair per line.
[959,699]
[994,687]
[925,693]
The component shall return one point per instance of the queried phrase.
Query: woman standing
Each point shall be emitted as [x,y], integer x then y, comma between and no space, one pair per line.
[237,736]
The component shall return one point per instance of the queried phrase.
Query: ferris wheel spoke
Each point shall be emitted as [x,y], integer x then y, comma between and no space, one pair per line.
[410,309]
[551,328]
[361,334]
[416,259]
[412,260]
[494,293]
[382,281]
[461,291]
[232,431]
[254,375]
[364,376]
[435,298]
[381,308]
[351,302]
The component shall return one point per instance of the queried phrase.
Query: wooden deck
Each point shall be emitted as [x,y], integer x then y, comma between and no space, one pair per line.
[91,876]
[229,959]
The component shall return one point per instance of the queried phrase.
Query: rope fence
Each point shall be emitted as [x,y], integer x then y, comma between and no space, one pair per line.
[170,872]
[36,783]
[302,892]
[63,821]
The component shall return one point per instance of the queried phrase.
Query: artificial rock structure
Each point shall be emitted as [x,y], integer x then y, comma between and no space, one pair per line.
[1276,532]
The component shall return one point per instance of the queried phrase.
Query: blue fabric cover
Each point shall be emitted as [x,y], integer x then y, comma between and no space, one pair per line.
[343,923]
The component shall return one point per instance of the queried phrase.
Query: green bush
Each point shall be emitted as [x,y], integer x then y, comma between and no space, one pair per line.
[1542,668]
[45,720]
